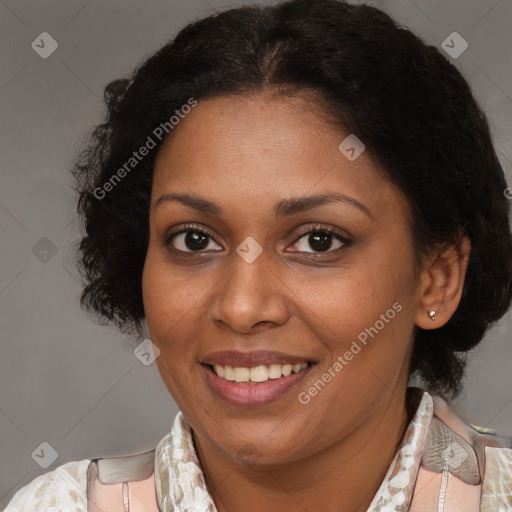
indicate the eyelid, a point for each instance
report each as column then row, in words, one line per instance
column 189, row 227
column 345, row 238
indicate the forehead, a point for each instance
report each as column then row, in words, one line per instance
column 264, row 147
column 263, row 123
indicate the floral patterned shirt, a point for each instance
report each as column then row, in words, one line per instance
column 180, row 484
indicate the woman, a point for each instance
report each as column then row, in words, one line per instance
column 303, row 207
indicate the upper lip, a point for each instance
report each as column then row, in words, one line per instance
column 235, row 358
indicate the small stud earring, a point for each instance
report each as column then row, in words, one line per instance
column 432, row 315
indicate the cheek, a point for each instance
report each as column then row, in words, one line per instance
column 342, row 304
column 175, row 307
column 166, row 309
column 364, row 314
column 166, row 297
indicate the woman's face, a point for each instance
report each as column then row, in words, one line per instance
column 241, row 273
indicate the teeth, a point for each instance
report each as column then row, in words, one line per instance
column 286, row 369
column 258, row 373
column 274, row 371
column 229, row 374
column 241, row 374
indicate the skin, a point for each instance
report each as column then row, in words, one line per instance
column 246, row 153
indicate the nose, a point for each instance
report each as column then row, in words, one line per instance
column 250, row 297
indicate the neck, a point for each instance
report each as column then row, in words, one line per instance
column 344, row 476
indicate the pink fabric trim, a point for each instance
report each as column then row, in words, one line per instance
column 460, row 497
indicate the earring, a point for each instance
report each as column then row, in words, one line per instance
column 432, row 315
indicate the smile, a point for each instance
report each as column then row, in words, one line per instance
column 255, row 386
column 257, row 374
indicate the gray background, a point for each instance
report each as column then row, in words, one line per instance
column 65, row 380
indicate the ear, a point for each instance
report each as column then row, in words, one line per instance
column 442, row 282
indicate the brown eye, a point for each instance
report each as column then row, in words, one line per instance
column 190, row 240
column 320, row 240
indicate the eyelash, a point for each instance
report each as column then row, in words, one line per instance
column 318, row 228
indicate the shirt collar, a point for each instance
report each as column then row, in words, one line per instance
column 396, row 490
column 180, row 484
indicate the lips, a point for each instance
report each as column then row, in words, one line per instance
column 251, row 379
column 235, row 358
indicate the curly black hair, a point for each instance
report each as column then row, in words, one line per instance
column 412, row 108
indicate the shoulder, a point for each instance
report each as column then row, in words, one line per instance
column 63, row 489
column 497, row 484
column 476, row 455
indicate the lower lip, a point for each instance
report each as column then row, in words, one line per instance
column 252, row 395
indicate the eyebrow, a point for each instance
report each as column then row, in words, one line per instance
column 283, row 208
